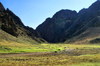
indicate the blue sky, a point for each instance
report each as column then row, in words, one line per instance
column 34, row 12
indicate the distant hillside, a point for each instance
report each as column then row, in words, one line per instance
column 10, row 24
column 70, row 26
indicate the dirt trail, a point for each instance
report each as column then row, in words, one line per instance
column 5, row 55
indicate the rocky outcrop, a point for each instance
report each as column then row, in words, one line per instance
column 7, row 24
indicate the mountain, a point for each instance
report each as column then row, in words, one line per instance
column 70, row 26
column 52, row 28
column 12, row 25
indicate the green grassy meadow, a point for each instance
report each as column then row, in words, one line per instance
column 80, row 55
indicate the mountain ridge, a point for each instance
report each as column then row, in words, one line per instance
column 13, row 25
column 72, row 25
column 65, row 25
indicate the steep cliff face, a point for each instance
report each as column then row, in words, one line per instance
column 13, row 25
column 67, row 24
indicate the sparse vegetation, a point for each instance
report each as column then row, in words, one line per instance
column 77, row 56
column 52, row 59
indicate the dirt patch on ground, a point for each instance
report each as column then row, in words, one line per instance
column 69, row 52
column 5, row 55
column 2, row 55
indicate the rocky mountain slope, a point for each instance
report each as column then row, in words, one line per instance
column 12, row 24
column 70, row 26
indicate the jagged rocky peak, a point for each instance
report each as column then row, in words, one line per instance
column 8, row 9
column 1, row 7
column 65, row 13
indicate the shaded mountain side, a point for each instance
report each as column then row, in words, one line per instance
column 68, row 24
column 7, row 23
column 52, row 28
column 4, row 36
column 90, row 18
column 12, row 24
column 85, row 37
